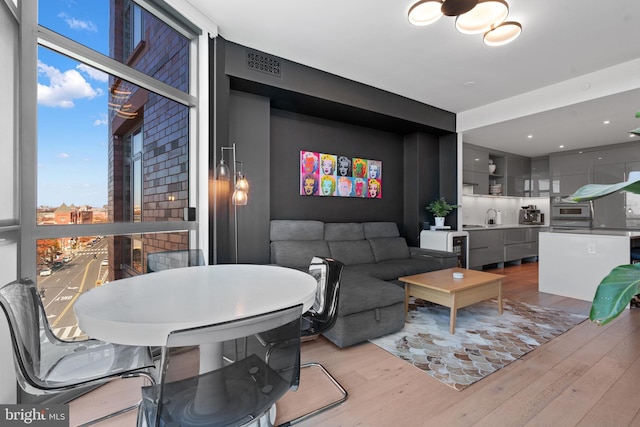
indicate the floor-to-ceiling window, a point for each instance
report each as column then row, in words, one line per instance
column 111, row 154
column 9, row 213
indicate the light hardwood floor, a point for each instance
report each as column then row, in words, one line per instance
column 588, row 376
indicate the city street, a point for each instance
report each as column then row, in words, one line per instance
column 60, row 290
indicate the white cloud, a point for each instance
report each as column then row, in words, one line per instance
column 64, row 155
column 93, row 73
column 76, row 24
column 102, row 121
column 64, row 87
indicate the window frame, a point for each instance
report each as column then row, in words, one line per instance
column 34, row 35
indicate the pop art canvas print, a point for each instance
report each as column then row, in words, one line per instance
column 336, row 175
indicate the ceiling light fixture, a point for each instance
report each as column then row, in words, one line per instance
column 472, row 17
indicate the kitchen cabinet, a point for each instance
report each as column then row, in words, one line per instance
column 475, row 168
column 520, row 243
column 540, row 183
column 500, row 245
column 609, row 212
column 518, row 176
column 486, row 246
column 512, row 172
column 570, row 172
column 475, row 159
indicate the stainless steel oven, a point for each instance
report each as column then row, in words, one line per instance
column 571, row 215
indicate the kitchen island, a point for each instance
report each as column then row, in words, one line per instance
column 572, row 263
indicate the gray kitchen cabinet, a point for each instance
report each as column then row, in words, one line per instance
column 540, row 183
column 520, row 243
column 486, row 246
column 632, row 201
column 475, row 159
column 617, row 155
column 570, row 172
column 475, row 168
column 570, row 164
column 609, row 212
column 563, row 185
column 518, row 176
column 497, row 246
column 479, row 180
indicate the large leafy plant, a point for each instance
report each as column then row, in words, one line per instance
column 617, row 289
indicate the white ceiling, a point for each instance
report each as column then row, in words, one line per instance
column 576, row 64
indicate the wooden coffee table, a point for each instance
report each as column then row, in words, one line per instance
column 442, row 288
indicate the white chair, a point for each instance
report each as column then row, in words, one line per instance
column 46, row 364
column 235, row 394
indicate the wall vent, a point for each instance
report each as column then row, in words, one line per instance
column 263, row 63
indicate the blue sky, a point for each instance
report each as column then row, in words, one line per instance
column 72, row 108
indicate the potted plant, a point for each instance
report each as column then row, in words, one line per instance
column 623, row 282
column 440, row 208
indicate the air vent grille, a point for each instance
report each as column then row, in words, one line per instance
column 263, row 63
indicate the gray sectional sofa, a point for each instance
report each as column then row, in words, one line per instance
column 371, row 298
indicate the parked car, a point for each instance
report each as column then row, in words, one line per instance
column 105, row 262
column 66, row 259
column 45, row 272
column 57, row 265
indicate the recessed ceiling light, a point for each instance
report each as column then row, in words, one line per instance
column 561, row 146
column 631, row 135
column 606, row 122
column 529, row 136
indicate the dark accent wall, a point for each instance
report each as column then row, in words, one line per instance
column 292, row 132
column 272, row 118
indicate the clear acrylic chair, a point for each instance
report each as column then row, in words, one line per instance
column 320, row 317
column 46, row 364
column 236, row 393
column 157, row 261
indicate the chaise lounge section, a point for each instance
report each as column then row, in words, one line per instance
column 371, row 298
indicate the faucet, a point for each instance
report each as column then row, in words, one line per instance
column 491, row 220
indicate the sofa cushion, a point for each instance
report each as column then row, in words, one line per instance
column 297, row 254
column 284, row 229
column 383, row 270
column 413, row 266
column 385, row 248
column 343, row 231
column 361, row 293
column 351, row 252
column 380, row 229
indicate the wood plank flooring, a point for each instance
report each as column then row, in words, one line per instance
column 586, row 377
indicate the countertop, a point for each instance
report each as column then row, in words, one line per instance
column 598, row 232
column 500, row 227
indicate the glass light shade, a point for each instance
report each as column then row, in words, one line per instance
column 242, row 184
column 480, row 19
column 239, row 198
column 425, row 12
column 222, row 171
column 503, row 34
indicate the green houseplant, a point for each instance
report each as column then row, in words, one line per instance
column 440, row 208
column 617, row 289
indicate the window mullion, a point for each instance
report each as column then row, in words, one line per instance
column 89, row 56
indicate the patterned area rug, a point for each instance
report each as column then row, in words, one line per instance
column 483, row 342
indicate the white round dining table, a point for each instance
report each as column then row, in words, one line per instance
column 143, row 310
